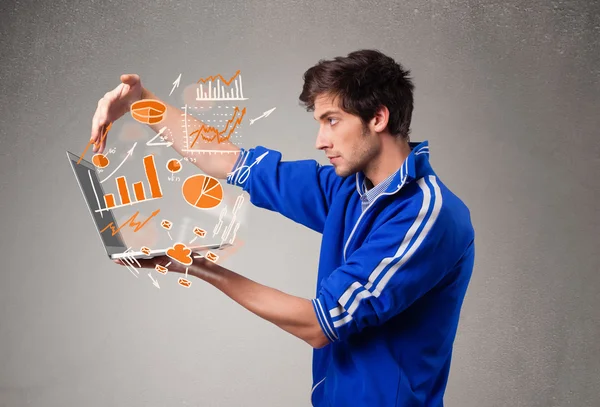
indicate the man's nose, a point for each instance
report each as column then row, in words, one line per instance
column 321, row 142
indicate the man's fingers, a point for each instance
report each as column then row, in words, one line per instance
column 151, row 263
column 144, row 263
column 95, row 129
column 99, row 120
column 101, row 124
column 130, row 79
column 103, row 142
column 116, row 93
column 161, row 260
column 110, row 107
column 97, row 141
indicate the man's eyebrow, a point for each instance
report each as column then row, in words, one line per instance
column 327, row 113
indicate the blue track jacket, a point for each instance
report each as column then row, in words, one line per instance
column 391, row 279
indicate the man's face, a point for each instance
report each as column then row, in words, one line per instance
column 349, row 144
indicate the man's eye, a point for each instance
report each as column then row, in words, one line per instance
column 332, row 121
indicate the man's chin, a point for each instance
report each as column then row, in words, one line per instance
column 343, row 172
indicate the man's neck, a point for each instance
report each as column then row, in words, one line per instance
column 393, row 153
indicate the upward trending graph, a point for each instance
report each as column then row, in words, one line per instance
column 138, row 188
column 210, row 133
column 216, row 87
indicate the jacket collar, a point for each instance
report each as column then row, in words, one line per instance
column 415, row 166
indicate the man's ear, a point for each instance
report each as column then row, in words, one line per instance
column 379, row 122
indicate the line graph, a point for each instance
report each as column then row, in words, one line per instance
column 137, row 225
column 216, row 87
column 210, row 133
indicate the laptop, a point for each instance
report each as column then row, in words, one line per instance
column 93, row 194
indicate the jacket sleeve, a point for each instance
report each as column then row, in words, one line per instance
column 300, row 190
column 398, row 263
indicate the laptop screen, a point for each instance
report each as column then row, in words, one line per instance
column 94, row 196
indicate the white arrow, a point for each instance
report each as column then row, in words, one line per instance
column 154, row 282
column 159, row 143
column 129, row 154
column 175, row 84
column 243, row 173
column 265, row 114
column 259, row 159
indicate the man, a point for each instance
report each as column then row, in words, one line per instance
column 398, row 246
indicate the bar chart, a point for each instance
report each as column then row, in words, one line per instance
column 139, row 193
column 215, row 88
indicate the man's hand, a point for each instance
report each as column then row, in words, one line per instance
column 118, row 101
column 199, row 268
column 160, row 260
column 112, row 106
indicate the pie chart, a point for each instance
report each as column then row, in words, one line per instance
column 202, row 191
column 100, row 160
column 148, row 111
column 173, row 165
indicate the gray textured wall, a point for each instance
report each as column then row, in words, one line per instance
column 507, row 95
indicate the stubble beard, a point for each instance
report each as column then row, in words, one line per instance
column 361, row 159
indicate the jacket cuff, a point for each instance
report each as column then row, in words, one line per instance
column 234, row 175
column 324, row 321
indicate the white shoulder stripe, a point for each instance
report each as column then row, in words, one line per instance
column 410, row 234
column 407, row 239
column 437, row 205
column 402, row 252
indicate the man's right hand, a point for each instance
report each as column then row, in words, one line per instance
column 113, row 105
column 118, row 101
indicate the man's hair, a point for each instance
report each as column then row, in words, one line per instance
column 363, row 81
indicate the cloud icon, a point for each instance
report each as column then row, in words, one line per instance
column 180, row 253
